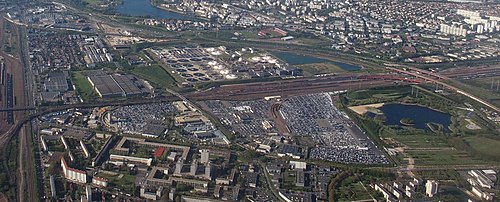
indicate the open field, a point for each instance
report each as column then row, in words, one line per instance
column 380, row 93
column 83, row 87
column 352, row 191
column 124, row 182
column 484, row 145
column 419, row 140
column 444, row 157
column 155, row 74
column 320, row 68
column 486, row 87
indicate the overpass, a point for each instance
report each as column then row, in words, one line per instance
column 18, row 109
column 427, row 77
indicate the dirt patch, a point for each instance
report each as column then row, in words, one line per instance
column 362, row 109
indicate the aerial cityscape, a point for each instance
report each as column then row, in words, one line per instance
column 249, row 100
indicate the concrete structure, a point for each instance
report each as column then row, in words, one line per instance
column 72, row 174
column 431, row 188
column 85, row 150
column 481, row 194
column 63, row 140
column 121, row 158
column 183, row 149
column 52, row 187
column 298, row 165
column 147, row 194
column 387, row 195
column 101, row 182
column 44, row 144
column 199, row 185
column 480, row 179
column 205, row 154
column 453, row 30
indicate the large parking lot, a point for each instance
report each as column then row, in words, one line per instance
column 248, row 118
column 135, row 118
column 338, row 138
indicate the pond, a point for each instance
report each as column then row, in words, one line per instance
column 418, row 114
column 143, row 8
column 295, row 59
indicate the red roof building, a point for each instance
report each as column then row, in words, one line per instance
column 159, row 152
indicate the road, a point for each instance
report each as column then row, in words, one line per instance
column 434, row 78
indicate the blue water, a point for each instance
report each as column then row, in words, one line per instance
column 421, row 115
column 347, row 67
column 143, row 8
column 295, row 59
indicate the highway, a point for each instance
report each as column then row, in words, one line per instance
column 435, row 78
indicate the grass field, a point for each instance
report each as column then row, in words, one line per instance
column 436, row 150
column 351, row 191
column 320, row 68
column 484, row 145
column 83, row 87
column 419, row 141
column 155, row 74
column 383, row 93
column 444, row 157
column 125, row 182
column 482, row 87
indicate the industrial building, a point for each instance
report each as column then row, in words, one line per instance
column 116, row 85
column 57, row 81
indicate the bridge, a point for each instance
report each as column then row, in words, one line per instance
column 18, row 109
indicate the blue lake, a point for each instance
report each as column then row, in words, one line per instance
column 295, row 59
column 421, row 115
column 142, row 8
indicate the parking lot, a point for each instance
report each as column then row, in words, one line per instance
column 338, row 138
column 135, row 118
column 248, row 118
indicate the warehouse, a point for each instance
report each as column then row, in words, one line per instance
column 109, row 86
column 57, row 81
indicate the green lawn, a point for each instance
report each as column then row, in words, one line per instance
column 419, row 140
column 484, row 145
column 320, row 68
column 125, row 183
column 444, row 157
column 155, row 74
column 351, row 191
column 83, row 87
column 380, row 93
